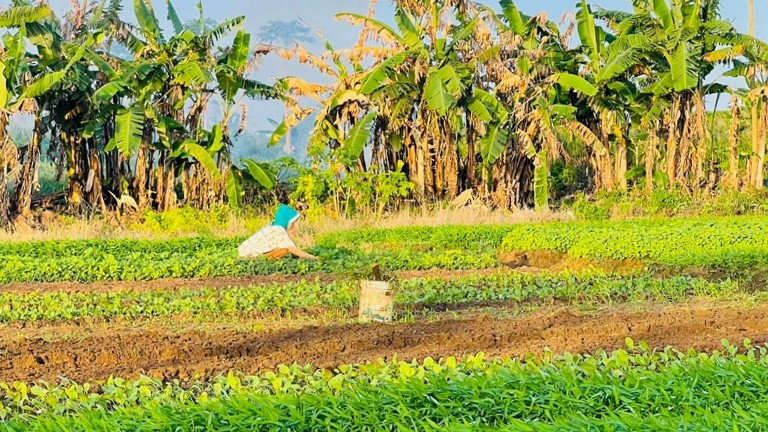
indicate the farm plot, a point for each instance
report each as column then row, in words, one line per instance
column 112, row 315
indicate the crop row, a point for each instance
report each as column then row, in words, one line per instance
column 440, row 238
column 219, row 258
column 437, row 237
column 731, row 243
column 660, row 390
column 619, row 239
column 518, row 287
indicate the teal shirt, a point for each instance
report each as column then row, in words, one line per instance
column 284, row 216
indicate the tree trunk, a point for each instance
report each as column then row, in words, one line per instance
column 651, row 151
column 5, row 208
column 140, row 181
column 94, row 188
column 429, row 164
column 621, row 160
column 760, row 147
column 22, row 199
column 702, row 140
column 421, row 166
column 452, row 171
column 673, row 116
column 440, row 159
column 160, row 183
column 170, row 189
column 605, row 167
column 5, row 199
column 733, row 147
column 143, row 173
column 682, row 175
column 412, row 163
column 75, row 182
column 749, row 180
column 471, row 161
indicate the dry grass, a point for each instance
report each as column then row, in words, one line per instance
column 233, row 225
column 61, row 228
column 471, row 215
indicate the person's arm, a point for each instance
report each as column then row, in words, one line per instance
column 301, row 254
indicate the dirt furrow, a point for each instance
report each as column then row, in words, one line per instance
column 199, row 354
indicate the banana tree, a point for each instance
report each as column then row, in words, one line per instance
column 747, row 58
column 12, row 69
column 421, row 91
column 344, row 119
column 166, row 90
column 533, row 77
column 42, row 83
column 231, row 73
column 670, row 48
column 612, row 63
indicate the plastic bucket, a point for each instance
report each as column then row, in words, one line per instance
column 376, row 301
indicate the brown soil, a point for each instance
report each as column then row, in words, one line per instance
column 224, row 282
column 557, row 261
column 199, row 354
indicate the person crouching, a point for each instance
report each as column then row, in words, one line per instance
column 275, row 241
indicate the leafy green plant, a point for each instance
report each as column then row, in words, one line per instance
column 665, row 389
column 102, row 260
column 342, row 296
column 732, row 243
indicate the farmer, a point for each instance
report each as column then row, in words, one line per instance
column 274, row 241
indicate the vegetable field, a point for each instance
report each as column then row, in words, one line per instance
column 658, row 323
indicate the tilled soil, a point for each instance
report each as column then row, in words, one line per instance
column 198, row 354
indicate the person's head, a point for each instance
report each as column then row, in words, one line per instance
column 288, row 218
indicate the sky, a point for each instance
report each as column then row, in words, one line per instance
column 320, row 15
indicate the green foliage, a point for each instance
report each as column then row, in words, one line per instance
column 173, row 17
column 152, row 99
column 493, row 144
column 668, row 203
column 442, row 237
column 356, row 192
column 731, row 243
column 663, row 390
column 103, row 260
column 575, row 82
column 188, row 221
column 129, row 130
column 235, row 191
column 358, row 136
column 25, row 14
column 201, row 155
column 371, row 190
column 261, row 173
column 587, row 209
column 341, row 296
